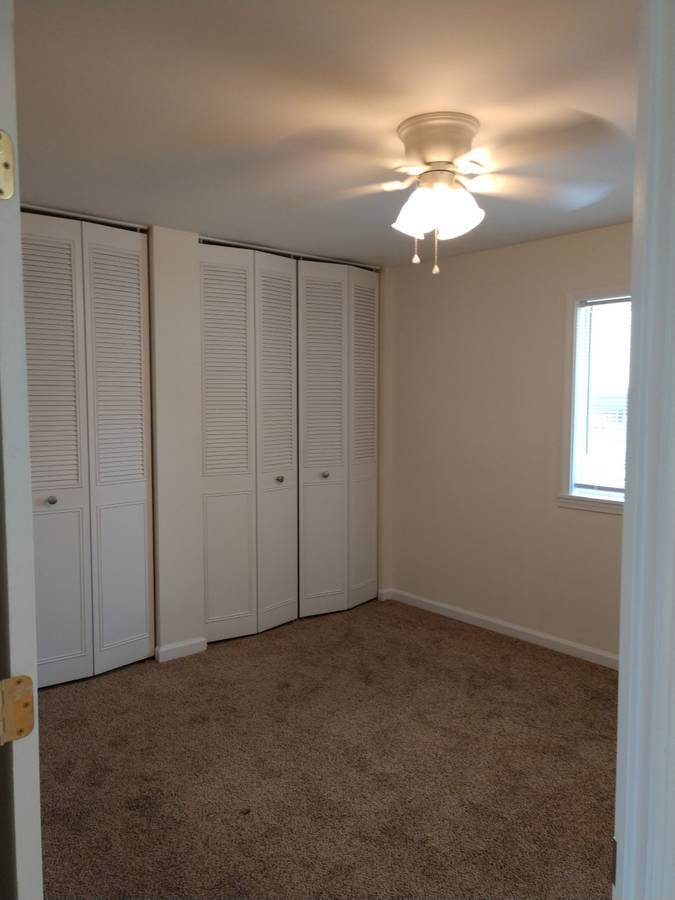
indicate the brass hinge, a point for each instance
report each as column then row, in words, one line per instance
column 16, row 708
column 6, row 166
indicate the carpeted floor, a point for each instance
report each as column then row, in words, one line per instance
column 382, row 752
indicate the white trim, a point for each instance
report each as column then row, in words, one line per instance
column 605, row 290
column 645, row 792
column 591, row 504
column 561, row 645
column 35, row 209
column 180, row 648
column 385, row 594
column 20, row 856
column 292, row 254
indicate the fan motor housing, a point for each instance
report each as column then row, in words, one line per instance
column 437, row 136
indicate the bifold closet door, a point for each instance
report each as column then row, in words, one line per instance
column 276, row 413
column 228, row 441
column 116, row 308
column 363, row 343
column 323, row 408
column 55, row 336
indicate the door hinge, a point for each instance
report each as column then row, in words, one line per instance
column 17, row 715
column 614, row 861
column 6, row 166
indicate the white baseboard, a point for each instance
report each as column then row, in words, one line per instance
column 180, row 648
column 582, row 651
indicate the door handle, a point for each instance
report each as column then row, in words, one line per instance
column 52, row 500
column 325, row 474
column 280, row 479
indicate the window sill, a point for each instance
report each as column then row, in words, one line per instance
column 591, row 504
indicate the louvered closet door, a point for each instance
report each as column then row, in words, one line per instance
column 363, row 331
column 116, row 307
column 323, row 407
column 276, row 404
column 228, row 442
column 52, row 272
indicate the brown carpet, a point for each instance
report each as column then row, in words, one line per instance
column 382, row 752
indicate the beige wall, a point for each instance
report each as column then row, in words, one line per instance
column 472, row 381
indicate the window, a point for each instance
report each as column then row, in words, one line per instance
column 599, row 398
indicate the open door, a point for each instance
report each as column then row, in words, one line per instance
column 20, row 850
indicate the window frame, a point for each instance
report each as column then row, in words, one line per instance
column 566, row 499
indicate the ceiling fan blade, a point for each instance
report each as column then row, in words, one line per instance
column 475, row 162
column 562, row 193
column 575, row 133
column 398, row 185
column 341, row 146
column 364, row 190
column 580, row 194
column 323, row 196
column 411, row 171
column 359, row 190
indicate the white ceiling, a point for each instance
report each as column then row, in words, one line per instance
column 253, row 120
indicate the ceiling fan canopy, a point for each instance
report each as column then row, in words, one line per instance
column 437, row 137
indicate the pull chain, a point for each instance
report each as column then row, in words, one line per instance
column 435, row 269
column 416, row 256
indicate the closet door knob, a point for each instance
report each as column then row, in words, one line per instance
column 280, row 479
column 325, row 474
column 51, row 500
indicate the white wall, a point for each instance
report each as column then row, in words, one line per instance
column 176, row 381
column 472, row 375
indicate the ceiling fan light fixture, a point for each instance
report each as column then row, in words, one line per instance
column 438, row 151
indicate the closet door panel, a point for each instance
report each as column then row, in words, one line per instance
column 363, row 540
column 116, row 305
column 278, row 557
column 228, row 442
column 62, row 584
column 363, row 342
column 324, row 507
column 122, row 576
column 52, row 263
column 323, row 444
column 276, row 413
column 229, row 528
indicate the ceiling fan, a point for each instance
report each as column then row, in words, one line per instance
column 447, row 172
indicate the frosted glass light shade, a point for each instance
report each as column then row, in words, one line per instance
column 449, row 208
column 458, row 213
column 418, row 213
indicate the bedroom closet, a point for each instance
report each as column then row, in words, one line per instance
column 249, row 440
column 266, row 531
column 264, row 441
column 86, row 309
column 338, row 452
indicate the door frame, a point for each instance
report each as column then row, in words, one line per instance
column 645, row 795
column 20, row 843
